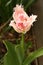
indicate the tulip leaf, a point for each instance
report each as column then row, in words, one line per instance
column 33, row 56
column 10, row 57
column 20, row 53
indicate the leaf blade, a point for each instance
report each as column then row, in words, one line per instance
column 33, row 56
column 10, row 57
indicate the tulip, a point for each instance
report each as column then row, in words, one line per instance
column 21, row 21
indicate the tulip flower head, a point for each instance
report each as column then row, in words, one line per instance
column 21, row 21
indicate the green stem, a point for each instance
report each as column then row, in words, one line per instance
column 22, row 42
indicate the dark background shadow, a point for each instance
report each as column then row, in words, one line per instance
column 38, row 26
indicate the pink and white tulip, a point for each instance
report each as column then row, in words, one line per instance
column 21, row 21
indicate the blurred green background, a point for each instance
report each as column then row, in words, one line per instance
column 6, row 7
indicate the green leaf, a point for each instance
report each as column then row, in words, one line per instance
column 29, row 3
column 20, row 53
column 9, row 2
column 33, row 56
column 10, row 57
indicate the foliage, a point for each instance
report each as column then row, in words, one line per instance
column 16, row 56
column 6, row 7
